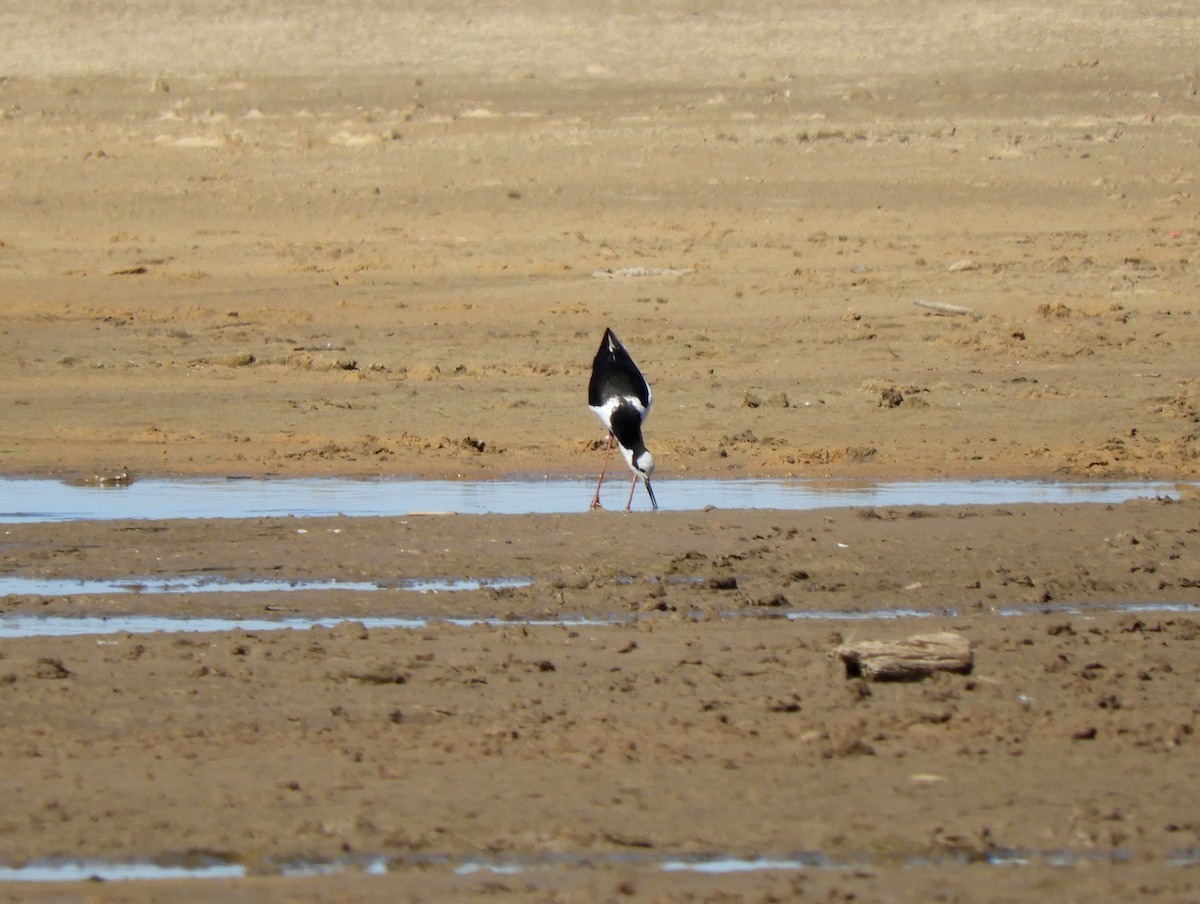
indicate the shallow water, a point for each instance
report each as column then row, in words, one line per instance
column 13, row 626
column 13, row 585
column 71, row 625
column 49, row 500
column 62, row 870
column 109, row 871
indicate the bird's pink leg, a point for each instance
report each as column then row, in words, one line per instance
column 607, row 452
column 632, row 487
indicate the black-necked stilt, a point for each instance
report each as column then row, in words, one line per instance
column 620, row 396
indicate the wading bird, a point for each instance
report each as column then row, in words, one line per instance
column 620, row 397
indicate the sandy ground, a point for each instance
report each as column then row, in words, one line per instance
column 305, row 239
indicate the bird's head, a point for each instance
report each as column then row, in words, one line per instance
column 641, row 464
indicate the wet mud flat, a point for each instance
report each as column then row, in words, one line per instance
column 296, row 573
column 603, row 565
column 700, row 723
column 655, row 742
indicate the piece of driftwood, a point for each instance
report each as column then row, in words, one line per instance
column 908, row 659
column 943, row 308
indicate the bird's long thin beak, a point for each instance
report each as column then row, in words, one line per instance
column 650, row 490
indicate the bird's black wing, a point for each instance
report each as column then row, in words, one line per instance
column 615, row 374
